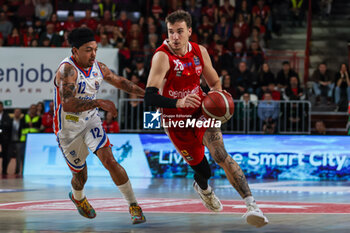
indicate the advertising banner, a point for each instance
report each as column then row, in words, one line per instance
column 260, row 156
column 27, row 74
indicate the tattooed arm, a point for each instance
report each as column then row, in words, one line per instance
column 120, row 82
column 66, row 78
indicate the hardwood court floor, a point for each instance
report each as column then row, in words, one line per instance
column 41, row 204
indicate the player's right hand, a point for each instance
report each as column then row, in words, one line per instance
column 189, row 101
column 108, row 106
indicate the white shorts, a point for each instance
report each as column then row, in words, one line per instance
column 75, row 146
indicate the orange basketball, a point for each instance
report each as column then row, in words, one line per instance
column 218, row 105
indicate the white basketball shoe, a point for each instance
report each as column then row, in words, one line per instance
column 210, row 200
column 254, row 216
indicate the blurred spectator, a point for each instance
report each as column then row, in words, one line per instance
column 104, row 42
column 323, row 82
column 297, row 12
column 123, row 56
column 26, row 12
column 325, row 7
column 223, row 29
column 54, row 38
column 150, row 47
column 47, row 120
column 16, row 148
column 107, row 21
column 135, row 33
column 157, row 8
column 320, row 128
column 116, row 34
column 124, row 23
column 234, row 38
column 5, row 25
column 34, row 43
column 5, row 132
column 264, row 77
column 243, row 79
column 239, row 55
column 88, row 20
column 140, row 70
column 211, row 10
column 255, row 36
column 195, row 12
column 258, row 24
column 246, row 113
column 244, row 10
column 43, row 10
column 284, row 75
column 268, row 112
column 38, row 27
column 293, row 90
column 29, row 36
column 107, row 5
column 342, row 87
column 227, row 10
column 227, row 85
column 273, row 90
column 110, row 125
column 256, row 55
column 54, row 20
column 14, row 39
column 40, row 108
column 70, row 23
column 31, row 123
column 205, row 27
column 242, row 25
column 263, row 11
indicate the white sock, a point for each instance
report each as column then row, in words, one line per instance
column 250, row 201
column 78, row 194
column 127, row 192
column 207, row 191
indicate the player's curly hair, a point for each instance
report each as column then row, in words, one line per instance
column 179, row 16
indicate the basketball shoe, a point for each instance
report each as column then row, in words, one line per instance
column 210, row 200
column 83, row 206
column 136, row 214
column 254, row 216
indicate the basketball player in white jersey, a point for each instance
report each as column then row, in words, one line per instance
column 77, row 124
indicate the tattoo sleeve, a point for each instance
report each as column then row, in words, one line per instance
column 121, row 82
column 67, row 89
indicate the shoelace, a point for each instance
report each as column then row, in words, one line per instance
column 135, row 210
column 85, row 205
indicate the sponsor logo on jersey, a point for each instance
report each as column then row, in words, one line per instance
column 196, row 60
column 73, row 153
column 72, row 118
column 76, row 161
column 179, row 73
column 94, row 74
column 199, row 70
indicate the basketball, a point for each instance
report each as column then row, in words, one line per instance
column 218, row 105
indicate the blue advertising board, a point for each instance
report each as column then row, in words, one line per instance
column 260, row 156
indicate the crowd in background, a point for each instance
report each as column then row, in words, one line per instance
column 235, row 33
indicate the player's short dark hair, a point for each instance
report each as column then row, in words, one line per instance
column 80, row 36
column 179, row 16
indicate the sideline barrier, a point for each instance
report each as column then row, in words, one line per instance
column 292, row 157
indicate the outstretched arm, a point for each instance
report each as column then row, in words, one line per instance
column 66, row 78
column 120, row 82
column 210, row 75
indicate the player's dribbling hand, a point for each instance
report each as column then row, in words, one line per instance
column 189, row 101
column 108, row 106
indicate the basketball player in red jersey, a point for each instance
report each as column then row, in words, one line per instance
column 175, row 73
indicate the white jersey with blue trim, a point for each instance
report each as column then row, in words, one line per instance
column 87, row 85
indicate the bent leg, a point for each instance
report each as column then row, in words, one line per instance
column 214, row 142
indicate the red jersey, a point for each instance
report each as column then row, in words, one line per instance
column 183, row 78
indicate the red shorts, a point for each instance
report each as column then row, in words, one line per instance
column 188, row 142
